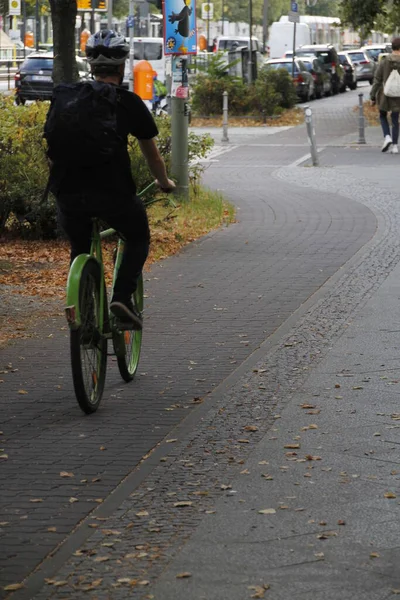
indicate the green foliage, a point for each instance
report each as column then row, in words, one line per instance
column 24, row 170
column 362, row 14
column 272, row 91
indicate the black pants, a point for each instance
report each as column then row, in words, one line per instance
column 126, row 215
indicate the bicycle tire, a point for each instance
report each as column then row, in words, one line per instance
column 129, row 362
column 88, row 347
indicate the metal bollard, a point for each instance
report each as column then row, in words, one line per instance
column 311, row 135
column 225, row 137
column 361, row 120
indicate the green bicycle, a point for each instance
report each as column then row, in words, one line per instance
column 92, row 325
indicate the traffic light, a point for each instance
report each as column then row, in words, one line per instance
column 158, row 3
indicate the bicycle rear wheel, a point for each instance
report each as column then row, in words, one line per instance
column 88, row 345
column 132, row 341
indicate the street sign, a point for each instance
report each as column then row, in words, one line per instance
column 97, row 5
column 207, row 11
column 14, row 7
column 294, row 7
column 293, row 17
column 130, row 21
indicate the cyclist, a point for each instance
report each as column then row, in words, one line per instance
column 108, row 191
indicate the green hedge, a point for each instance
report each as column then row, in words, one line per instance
column 272, row 92
column 24, row 170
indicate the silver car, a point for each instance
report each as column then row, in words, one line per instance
column 365, row 68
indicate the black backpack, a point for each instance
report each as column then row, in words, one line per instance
column 81, row 126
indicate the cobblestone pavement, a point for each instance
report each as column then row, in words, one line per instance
column 209, row 309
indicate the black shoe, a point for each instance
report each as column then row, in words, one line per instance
column 127, row 314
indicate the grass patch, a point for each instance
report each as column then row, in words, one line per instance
column 290, row 117
column 172, row 228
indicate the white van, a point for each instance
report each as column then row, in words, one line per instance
column 227, row 43
column 281, row 37
column 152, row 50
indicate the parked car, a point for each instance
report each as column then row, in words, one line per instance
column 327, row 53
column 33, row 80
column 303, row 80
column 365, row 68
column 349, row 70
column 322, row 80
column 374, row 50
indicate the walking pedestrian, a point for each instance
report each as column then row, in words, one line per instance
column 388, row 103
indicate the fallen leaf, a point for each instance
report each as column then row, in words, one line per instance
column 374, row 555
column 4, row 456
column 267, row 476
column 22, row 392
column 13, row 586
column 307, row 406
column 259, row 590
column 100, row 559
column 110, row 532
column 263, row 462
column 395, row 591
column 102, row 448
column 142, row 513
column 390, row 495
column 36, row 500
column 72, row 500
column 319, row 555
column 267, row 511
column 52, row 529
column 184, row 575
column 125, row 580
column 243, row 441
column 183, row 504
column 144, row 582
column 292, row 446
column 358, row 387
column 60, row 583
column 340, row 522
column 171, row 441
column 250, row 428
column 311, row 457
column 66, row 474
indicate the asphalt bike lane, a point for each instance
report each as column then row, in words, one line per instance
column 208, row 310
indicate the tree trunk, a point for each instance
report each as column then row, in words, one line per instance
column 63, row 15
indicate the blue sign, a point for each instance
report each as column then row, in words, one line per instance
column 130, row 21
column 180, row 35
column 295, row 7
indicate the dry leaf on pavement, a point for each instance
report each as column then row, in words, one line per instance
column 13, row 587
column 267, row 511
column 184, row 575
column 66, row 474
column 259, row 590
column 390, row 495
column 182, row 504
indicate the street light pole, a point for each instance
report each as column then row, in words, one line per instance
column 223, row 17
column 37, row 24
column 265, row 25
column 109, row 14
column 250, row 63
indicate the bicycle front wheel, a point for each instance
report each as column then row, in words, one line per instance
column 88, row 345
column 132, row 343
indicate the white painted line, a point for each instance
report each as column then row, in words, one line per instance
column 302, row 159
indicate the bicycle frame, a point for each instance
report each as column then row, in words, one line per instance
column 72, row 310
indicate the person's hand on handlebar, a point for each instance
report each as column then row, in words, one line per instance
column 166, row 186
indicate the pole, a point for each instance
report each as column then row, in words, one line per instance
column 250, row 63
column 180, row 130
column 294, row 47
column 208, row 32
column 37, row 25
column 223, row 17
column 92, row 21
column 361, row 120
column 311, row 135
column 225, row 137
column 265, row 26
column 131, row 42
column 109, row 14
column 24, row 24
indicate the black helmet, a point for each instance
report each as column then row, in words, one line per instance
column 107, row 48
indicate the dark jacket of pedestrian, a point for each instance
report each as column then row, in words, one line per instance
column 383, row 71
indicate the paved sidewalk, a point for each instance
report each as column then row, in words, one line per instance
column 241, row 327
